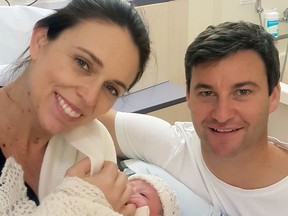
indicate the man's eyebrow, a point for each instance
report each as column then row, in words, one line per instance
column 95, row 58
column 237, row 85
column 202, row 86
column 247, row 83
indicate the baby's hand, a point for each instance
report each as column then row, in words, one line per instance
column 110, row 181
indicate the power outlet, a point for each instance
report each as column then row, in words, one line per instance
column 247, row 1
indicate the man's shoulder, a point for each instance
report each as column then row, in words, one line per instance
column 187, row 130
column 278, row 142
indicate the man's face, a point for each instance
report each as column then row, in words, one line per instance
column 230, row 105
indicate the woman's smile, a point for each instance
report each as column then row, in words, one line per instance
column 67, row 109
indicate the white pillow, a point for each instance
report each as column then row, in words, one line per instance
column 16, row 24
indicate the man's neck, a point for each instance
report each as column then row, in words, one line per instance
column 250, row 170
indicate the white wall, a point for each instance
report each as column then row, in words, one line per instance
column 278, row 124
column 206, row 12
column 168, row 29
column 169, row 34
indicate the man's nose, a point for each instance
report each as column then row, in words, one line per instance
column 223, row 110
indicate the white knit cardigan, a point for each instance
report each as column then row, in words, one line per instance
column 58, row 195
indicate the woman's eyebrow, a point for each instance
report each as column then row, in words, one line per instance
column 121, row 84
column 95, row 58
column 100, row 63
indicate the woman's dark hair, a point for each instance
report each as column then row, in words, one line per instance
column 217, row 42
column 119, row 12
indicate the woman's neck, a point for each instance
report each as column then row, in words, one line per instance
column 19, row 128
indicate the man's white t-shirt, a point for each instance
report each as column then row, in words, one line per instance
column 176, row 148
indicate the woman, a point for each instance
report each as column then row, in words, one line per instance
column 81, row 59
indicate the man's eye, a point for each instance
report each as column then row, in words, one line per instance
column 243, row 92
column 82, row 64
column 207, row 93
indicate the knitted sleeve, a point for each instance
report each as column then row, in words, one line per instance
column 73, row 197
column 13, row 198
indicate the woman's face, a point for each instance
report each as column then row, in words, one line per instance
column 78, row 76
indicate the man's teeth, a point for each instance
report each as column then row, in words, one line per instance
column 223, row 130
column 67, row 109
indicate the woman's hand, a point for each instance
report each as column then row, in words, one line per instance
column 110, row 181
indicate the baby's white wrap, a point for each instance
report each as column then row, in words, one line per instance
column 92, row 140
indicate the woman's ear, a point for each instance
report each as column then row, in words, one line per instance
column 38, row 41
column 275, row 98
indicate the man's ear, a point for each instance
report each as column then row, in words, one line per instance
column 187, row 97
column 38, row 41
column 275, row 98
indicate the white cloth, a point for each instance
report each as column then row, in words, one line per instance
column 64, row 150
column 142, row 211
column 181, row 156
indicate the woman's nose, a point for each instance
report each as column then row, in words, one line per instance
column 90, row 94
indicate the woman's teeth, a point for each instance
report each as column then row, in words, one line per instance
column 67, row 109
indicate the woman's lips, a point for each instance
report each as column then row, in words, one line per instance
column 66, row 108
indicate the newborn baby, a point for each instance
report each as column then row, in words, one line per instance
column 152, row 196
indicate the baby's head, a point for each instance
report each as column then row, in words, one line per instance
column 153, row 192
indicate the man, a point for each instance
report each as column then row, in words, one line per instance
column 232, row 79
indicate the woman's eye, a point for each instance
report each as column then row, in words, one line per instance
column 112, row 90
column 82, row 64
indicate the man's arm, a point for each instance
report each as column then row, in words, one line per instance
column 142, row 136
column 108, row 119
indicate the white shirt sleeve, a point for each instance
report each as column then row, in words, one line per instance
column 146, row 137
